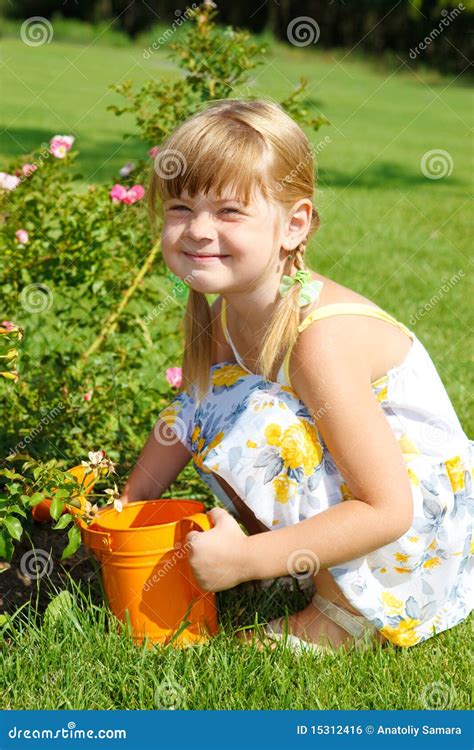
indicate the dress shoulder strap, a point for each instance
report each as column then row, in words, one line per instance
column 227, row 336
column 224, row 319
column 351, row 308
column 342, row 308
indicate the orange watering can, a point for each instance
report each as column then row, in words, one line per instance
column 145, row 569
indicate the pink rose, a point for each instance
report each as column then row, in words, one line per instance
column 153, row 151
column 87, row 396
column 22, row 236
column 120, row 194
column 59, row 145
column 134, row 194
column 8, row 325
column 8, row 181
column 117, row 193
column 28, row 169
column 174, row 376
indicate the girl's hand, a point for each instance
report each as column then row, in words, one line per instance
column 217, row 557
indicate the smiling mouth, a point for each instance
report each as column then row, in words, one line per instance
column 195, row 255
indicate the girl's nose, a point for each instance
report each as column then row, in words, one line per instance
column 200, row 226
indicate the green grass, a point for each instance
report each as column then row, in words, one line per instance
column 389, row 233
column 86, row 659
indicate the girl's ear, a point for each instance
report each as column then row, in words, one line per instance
column 297, row 225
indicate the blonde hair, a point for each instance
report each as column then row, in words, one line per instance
column 241, row 145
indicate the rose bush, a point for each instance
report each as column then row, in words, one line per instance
column 82, row 274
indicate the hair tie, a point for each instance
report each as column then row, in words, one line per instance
column 309, row 291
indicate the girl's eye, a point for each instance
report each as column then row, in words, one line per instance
column 179, row 207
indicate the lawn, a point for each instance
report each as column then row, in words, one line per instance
column 388, row 232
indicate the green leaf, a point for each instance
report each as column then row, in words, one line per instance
column 63, row 521
column 11, row 474
column 6, row 546
column 38, row 497
column 61, row 493
column 57, row 507
column 19, row 457
column 13, row 527
column 17, row 509
column 58, row 607
column 74, row 537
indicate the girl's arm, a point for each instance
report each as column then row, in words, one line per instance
column 157, row 466
column 333, row 380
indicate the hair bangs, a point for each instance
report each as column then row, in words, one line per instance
column 224, row 156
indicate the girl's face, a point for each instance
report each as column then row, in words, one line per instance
column 221, row 245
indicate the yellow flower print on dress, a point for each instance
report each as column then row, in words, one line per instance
column 393, row 606
column 408, row 447
column 284, row 488
column 404, row 634
column 380, row 388
column 227, row 375
column 300, row 447
column 345, row 492
column 170, row 413
column 413, row 477
column 273, row 434
column 401, row 557
column 200, row 454
column 455, row 469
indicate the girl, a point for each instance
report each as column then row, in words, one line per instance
column 311, row 412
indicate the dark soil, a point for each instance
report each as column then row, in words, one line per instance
column 36, row 574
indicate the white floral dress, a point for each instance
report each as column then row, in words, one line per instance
column 260, row 438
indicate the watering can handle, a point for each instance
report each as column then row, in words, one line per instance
column 196, row 522
column 96, row 540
